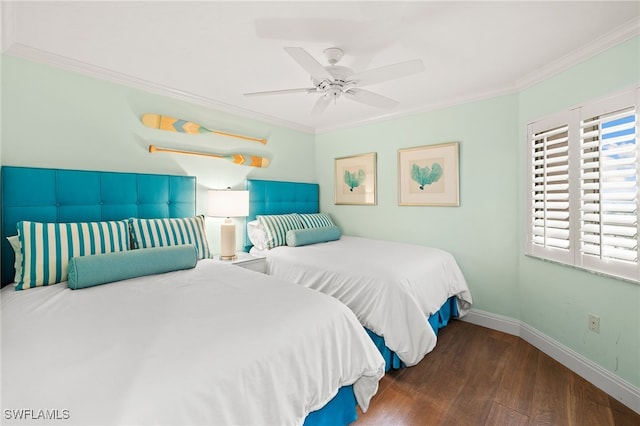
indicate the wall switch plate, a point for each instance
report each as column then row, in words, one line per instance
column 594, row 323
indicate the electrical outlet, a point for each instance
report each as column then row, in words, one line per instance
column 594, row 323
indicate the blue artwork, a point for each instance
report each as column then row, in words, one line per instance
column 355, row 179
column 425, row 175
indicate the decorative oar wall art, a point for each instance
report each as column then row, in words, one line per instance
column 241, row 159
column 170, row 124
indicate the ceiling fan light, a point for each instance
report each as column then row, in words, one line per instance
column 333, row 54
column 334, row 92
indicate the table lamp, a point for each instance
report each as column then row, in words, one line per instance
column 228, row 203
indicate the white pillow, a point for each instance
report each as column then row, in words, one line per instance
column 14, row 241
column 257, row 235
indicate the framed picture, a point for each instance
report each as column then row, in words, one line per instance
column 355, row 179
column 428, row 175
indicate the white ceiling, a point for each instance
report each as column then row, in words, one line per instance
column 213, row 52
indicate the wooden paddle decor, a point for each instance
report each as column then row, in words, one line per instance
column 170, row 124
column 241, row 159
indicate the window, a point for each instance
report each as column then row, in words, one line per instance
column 583, row 198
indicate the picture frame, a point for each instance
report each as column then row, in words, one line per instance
column 355, row 179
column 429, row 175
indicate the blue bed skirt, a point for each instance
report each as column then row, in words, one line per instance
column 438, row 320
column 341, row 410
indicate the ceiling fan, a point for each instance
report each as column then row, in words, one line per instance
column 333, row 81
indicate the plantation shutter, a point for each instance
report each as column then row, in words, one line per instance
column 549, row 186
column 609, row 189
column 583, row 196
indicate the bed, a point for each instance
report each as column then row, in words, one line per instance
column 210, row 343
column 401, row 293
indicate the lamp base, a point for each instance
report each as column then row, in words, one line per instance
column 228, row 240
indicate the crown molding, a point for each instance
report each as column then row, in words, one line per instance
column 607, row 41
column 47, row 58
column 12, row 47
column 7, row 25
column 474, row 97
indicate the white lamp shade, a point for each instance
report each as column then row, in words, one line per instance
column 228, row 203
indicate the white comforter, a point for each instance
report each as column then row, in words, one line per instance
column 213, row 345
column 390, row 286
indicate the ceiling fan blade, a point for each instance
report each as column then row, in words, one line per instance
column 370, row 98
column 308, row 62
column 282, row 92
column 389, row 72
column 321, row 105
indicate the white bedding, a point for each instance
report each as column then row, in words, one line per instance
column 217, row 344
column 390, row 286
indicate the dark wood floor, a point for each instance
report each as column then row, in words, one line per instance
column 477, row 376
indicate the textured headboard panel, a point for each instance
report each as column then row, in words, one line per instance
column 56, row 195
column 276, row 197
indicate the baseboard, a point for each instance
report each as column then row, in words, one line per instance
column 615, row 386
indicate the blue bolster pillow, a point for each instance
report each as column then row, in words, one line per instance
column 87, row 271
column 302, row 237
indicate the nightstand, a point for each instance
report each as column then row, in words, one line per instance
column 248, row 261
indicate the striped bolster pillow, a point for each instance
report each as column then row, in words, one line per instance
column 276, row 227
column 147, row 233
column 48, row 247
column 316, row 220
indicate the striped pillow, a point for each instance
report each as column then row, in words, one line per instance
column 48, row 247
column 316, row 220
column 276, row 227
column 147, row 233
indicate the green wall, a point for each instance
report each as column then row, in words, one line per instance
column 482, row 232
column 556, row 299
column 56, row 118
column 486, row 233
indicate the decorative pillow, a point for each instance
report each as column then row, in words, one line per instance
column 148, row 233
column 88, row 271
column 303, row 237
column 14, row 241
column 316, row 220
column 276, row 227
column 48, row 247
column 257, row 235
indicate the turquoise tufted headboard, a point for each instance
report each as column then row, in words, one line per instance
column 57, row 195
column 279, row 197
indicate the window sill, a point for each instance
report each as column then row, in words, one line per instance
column 579, row 268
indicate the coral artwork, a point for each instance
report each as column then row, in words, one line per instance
column 425, row 175
column 428, row 175
column 355, row 179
